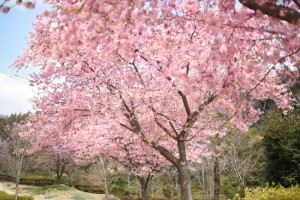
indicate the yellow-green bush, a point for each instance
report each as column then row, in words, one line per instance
column 5, row 196
column 273, row 193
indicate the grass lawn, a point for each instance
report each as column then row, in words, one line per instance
column 54, row 192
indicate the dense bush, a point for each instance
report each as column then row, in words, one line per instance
column 90, row 188
column 230, row 187
column 6, row 178
column 36, row 180
column 282, row 145
column 5, row 196
column 273, row 192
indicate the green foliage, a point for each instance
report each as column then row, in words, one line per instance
column 6, row 123
column 121, row 185
column 65, row 180
column 90, row 188
column 282, row 147
column 273, row 193
column 5, row 196
column 130, row 192
column 230, row 187
column 36, row 177
column 37, row 180
column 168, row 191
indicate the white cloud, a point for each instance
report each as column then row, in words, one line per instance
column 15, row 95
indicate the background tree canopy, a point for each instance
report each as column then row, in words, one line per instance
column 282, row 147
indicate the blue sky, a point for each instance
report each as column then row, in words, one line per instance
column 14, row 36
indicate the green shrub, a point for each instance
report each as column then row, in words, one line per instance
column 230, row 187
column 5, row 196
column 29, row 179
column 90, row 189
column 130, row 192
column 273, row 193
column 35, row 177
column 37, row 180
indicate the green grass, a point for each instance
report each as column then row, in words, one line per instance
column 50, row 196
column 50, row 189
column 78, row 196
column 5, row 196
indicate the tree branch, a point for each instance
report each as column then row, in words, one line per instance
column 185, row 103
column 128, row 128
column 272, row 9
column 163, row 151
column 273, row 67
column 297, row 2
column 164, row 129
column 173, row 128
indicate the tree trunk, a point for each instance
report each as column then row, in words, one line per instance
column 59, row 174
column 204, row 183
column 217, row 178
column 176, row 181
column 19, row 169
column 181, row 165
column 102, row 169
column 128, row 180
column 183, row 171
column 59, row 170
column 17, row 188
column 185, row 185
column 58, row 177
column 144, row 187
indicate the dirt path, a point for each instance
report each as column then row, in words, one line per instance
column 61, row 193
column 5, row 189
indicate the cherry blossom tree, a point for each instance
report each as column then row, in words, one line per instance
column 6, row 5
column 128, row 149
column 168, row 72
column 13, row 152
column 86, row 144
column 48, row 138
column 140, row 159
column 55, row 160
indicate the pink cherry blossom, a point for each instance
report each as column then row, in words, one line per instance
column 5, row 9
column 159, row 78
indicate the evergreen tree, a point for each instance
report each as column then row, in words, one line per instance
column 282, row 147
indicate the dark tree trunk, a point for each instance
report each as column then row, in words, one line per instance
column 144, row 186
column 183, row 171
column 59, row 172
column 217, row 178
column 58, row 177
column 181, row 166
column 185, row 185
